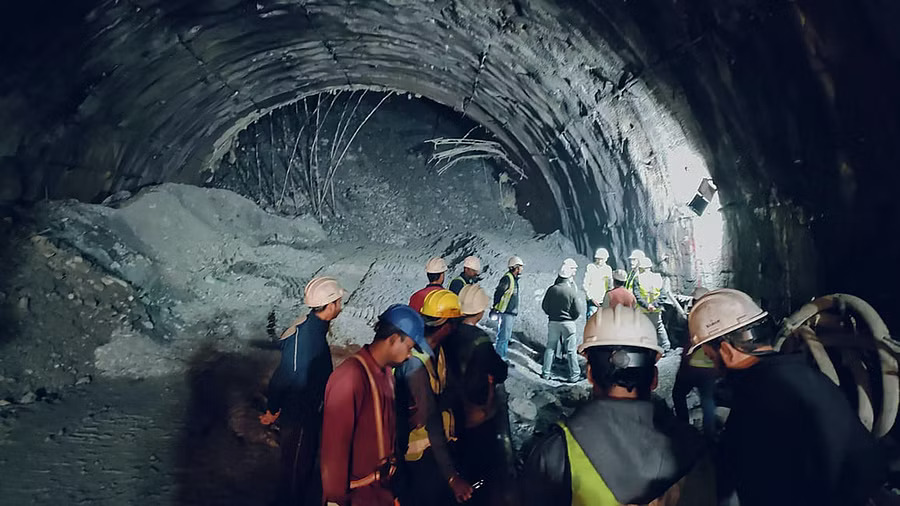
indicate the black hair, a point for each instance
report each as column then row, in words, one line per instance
column 384, row 330
column 607, row 375
column 434, row 276
column 319, row 309
column 618, row 283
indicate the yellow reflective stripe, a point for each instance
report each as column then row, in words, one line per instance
column 588, row 487
column 507, row 295
column 418, row 437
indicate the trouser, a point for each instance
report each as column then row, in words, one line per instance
column 504, row 333
column 421, row 483
column 704, row 380
column 481, row 458
column 301, row 482
column 591, row 308
column 565, row 332
column 662, row 336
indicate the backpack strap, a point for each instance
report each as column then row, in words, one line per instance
column 376, row 401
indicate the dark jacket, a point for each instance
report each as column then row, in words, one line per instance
column 299, row 381
column 513, row 306
column 457, row 284
column 638, row 447
column 792, row 438
column 471, row 358
column 561, row 301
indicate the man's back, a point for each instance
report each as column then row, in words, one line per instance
column 560, row 301
column 792, row 438
column 619, row 296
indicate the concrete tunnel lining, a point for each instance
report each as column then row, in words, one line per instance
column 590, row 96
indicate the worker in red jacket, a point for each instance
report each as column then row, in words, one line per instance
column 436, row 270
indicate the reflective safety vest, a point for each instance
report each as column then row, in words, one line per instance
column 699, row 359
column 650, row 286
column 588, row 487
column 418, row 437
column 629, row 281
column 507, row 295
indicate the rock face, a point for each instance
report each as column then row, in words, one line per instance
column 601, row 103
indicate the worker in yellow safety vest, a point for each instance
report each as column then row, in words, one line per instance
column 634, row 261
column 428, row 474
column 647, row 290
column 621, row 448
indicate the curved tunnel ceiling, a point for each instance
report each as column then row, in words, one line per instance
column 590, row 95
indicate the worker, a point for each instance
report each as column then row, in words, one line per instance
column 634, row 260
column 696, row 371
column 619, row 295
column 469, row 275
column 359, row 425
column 597, row 280
column 297, row 390
column 647, row 289
column 621, row 447
column 506, row 304
column 435, row 269
column 560, row 304
column 481, row 373
column 429, row 474
column 791, row 436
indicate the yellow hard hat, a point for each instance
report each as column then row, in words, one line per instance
column 619, row 326
column 473, row 300
column 721, row 312
column 441, row 304
column 322, row 291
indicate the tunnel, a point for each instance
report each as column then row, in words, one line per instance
column 195, row 162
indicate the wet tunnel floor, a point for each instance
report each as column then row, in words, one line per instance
column 130, row 442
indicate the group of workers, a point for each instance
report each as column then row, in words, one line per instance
column 418, row 416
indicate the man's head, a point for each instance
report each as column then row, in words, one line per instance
column 620, row 345
column 516, row 265
column 471, row 267
column 601, row 256
column 324, row 296
column 435, row 269
column 731, row 328
column 619, row 277
column 568, row 269
column 440, row 311
column 473, row 302
column 635, row 258
column 398, row 330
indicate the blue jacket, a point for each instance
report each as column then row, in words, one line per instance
column 299, row 381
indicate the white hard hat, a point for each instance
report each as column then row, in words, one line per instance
column 601, row 253
column 620, row 275
column 435, row 265
column 322, row 291
column 636, row 254
column 568, row 269
column 514, row 261
column 720, row 312
column 619, row 326
column 472, row 263
column 473, row 299
column 645, row 263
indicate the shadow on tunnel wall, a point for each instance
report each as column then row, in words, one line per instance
column 226, row 457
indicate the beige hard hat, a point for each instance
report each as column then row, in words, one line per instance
column 322, row 291
column 720, row 312
column 636, row 254
column 473, row 299
column 568, row 268
column 435, row 265
column 620, row 275
column 601, row 253
column 472, row 263
column 619, row 326
column 645, row 263
column 515, row 261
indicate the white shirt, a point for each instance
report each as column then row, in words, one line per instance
column 597, row 281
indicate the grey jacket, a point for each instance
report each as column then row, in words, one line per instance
column 561, row 301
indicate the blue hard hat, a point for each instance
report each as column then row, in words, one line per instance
column 408, row 321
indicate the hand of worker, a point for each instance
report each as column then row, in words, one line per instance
column 268, row 418
column 462, row 490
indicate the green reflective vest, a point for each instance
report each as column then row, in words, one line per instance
column 418, row 436
column 507, row 295
column 588, row 487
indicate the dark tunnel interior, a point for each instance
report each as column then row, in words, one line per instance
column 179, row 169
